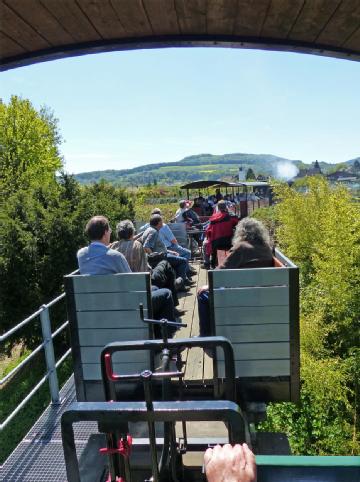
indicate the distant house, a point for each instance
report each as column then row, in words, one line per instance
column 335, row 176
column 315, row 170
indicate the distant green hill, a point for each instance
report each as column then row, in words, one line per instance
column 192, row 168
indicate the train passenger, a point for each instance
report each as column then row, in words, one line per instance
column 162, row 275
column 171, row 242
column 99, row 259
column 179, row 213
column 230, row 464
column 187, row 215
column 152, row 242
column 219, row 233
column 250, row 249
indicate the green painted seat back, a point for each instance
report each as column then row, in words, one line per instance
column 105, row 309
column 257, row 310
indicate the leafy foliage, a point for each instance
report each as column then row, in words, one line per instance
column 43, row 216
column 319, row 229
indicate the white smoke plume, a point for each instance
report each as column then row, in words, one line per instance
column 286, row 170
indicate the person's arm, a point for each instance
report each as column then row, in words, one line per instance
column 230, row 464
column 149, row 242
column 141, row 259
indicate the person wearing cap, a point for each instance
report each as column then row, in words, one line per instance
column 183, row 206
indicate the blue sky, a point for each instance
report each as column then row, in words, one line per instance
column 125, row 109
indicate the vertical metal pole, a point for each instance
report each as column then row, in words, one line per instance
column 49, row 355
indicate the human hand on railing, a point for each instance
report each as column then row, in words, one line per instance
column 230, row 464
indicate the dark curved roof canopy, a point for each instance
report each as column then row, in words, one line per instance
column 204, row 184
column 37, row 30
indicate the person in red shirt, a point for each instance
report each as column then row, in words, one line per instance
column 219, row 233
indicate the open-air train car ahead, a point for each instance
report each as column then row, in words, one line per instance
column 151, row 399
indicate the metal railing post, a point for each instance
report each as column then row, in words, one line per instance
column 49, row 355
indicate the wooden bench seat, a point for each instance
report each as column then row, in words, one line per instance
column 101, row 310
column 257, row 309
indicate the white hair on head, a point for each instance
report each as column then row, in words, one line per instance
column 252, row 231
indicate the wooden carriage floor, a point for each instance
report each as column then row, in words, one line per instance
column 198, row 365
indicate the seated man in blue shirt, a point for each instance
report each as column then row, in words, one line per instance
column 152, row 242
column 99, row 259
column 170, row 240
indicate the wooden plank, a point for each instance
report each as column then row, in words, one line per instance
column 9, row 47
column 110, row 319
column 194, row 357
column 192, row 16
column 259, row 368
column 16, row 28
column 91, row 354
column 132, row 17
column 113, row 283
column 110, row 301
column 208, row 367
column 162, row 16
column 252, row 314
column 43, row 22
column 312, row 19
column 353, row 42
column 221, row 15
column 233, row 278
column 103, row 17
column 342, row 24
column 71, row 17
column 92, row 371
column 250, row 17
column 280, row 18
column 255, row 333
column 251, row 296
column 105, row 336
column 258, row 351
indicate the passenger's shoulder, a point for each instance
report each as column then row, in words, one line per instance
column 114, row 252
column 82, row 251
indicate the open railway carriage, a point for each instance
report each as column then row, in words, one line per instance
column 34, row 32
column 257, row 362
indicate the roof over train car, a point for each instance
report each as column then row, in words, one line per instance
column 204, row 184
column 36, row 30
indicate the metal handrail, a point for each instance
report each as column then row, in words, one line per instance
column 27, row 320
column 48, row 347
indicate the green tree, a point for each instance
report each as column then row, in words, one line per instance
column 29, row 142
column 319, row 228
column 250, row 175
